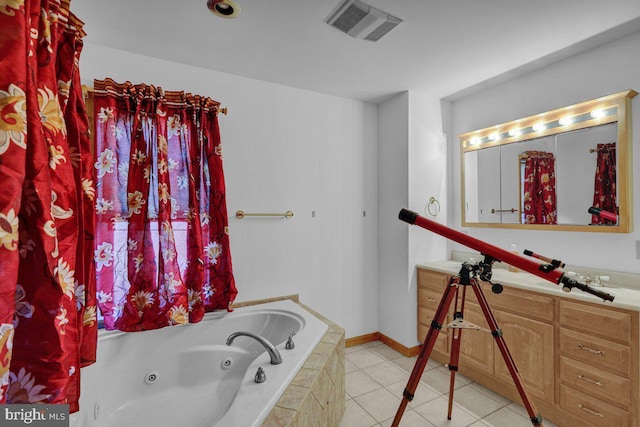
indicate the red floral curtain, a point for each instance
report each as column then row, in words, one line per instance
column 539, row 188
column 162, row 245
column 47, row 304
column 604, row 195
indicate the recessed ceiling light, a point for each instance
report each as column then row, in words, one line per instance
column 223, row 8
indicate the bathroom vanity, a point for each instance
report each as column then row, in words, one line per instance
column 579, row 357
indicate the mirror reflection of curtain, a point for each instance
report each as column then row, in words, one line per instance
column 604, row 194
column 162, row 245
column 539, row 198
column 46, row 207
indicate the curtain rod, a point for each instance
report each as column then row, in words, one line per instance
column 86, row 90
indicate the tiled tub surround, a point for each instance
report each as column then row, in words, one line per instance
column 316, row 396
column 310, row 381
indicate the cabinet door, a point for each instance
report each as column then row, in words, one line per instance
column 476, row 346
column 530, row 343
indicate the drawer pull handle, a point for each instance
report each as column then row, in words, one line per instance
column 589, row 380
column 430, row 299
column 589, row 411
column 600, row 352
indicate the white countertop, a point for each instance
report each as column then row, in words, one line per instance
column 623, row 298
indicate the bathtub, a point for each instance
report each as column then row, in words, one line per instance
column 187, row 376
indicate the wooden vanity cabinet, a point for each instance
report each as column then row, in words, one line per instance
column 431, row 287
column 579, row 361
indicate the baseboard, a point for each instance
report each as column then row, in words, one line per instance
column 362, row 339
column 377, row 336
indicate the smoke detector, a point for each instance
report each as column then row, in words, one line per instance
column 362, row 21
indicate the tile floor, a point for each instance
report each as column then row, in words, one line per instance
column 376, row 376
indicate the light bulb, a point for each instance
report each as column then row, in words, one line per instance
column 474, row 141
column 597, row 114
column 567, row 120
column 494, row 136
column 515, row 132
column 539, row 127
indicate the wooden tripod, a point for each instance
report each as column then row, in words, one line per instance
column 467, row 277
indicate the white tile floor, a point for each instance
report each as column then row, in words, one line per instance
column 376, row 376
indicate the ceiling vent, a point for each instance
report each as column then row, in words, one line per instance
column 362, row 21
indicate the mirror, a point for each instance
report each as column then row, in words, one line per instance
column 546, row 171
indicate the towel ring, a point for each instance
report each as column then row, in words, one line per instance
column 433, row 207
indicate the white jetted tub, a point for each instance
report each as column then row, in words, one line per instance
column 187, row 375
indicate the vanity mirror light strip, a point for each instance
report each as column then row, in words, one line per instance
column 592, row 118
column 586, row 114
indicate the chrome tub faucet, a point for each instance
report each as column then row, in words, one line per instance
column 274, row 354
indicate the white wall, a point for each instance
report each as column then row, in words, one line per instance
column 601, row 71
column 393, row 143
column 286, row 149
column 412, row 168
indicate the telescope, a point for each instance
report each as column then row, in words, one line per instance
column 547, row 271
column 458, row 284
column 611, row 216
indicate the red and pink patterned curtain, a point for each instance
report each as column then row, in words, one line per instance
column 539, row 188
column 162, row 245
column 604, row 195
column 47, row 292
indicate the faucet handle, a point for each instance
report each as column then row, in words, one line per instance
column 290, row 345
column 260, row 376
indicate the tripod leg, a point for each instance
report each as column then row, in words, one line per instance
column 454, row 356
column 534, row 415
column 425, row 350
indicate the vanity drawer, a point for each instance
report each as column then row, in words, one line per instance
column 595, row 351
column 428, row 298
column 592, row 411
column 432, row 280
column 523, row 303
column 610, row 324
column 596, row 382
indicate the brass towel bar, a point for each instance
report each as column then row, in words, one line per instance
column 242, row 214
column 512, row 210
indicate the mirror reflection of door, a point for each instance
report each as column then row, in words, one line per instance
column 576, row 171
column 511, row 176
